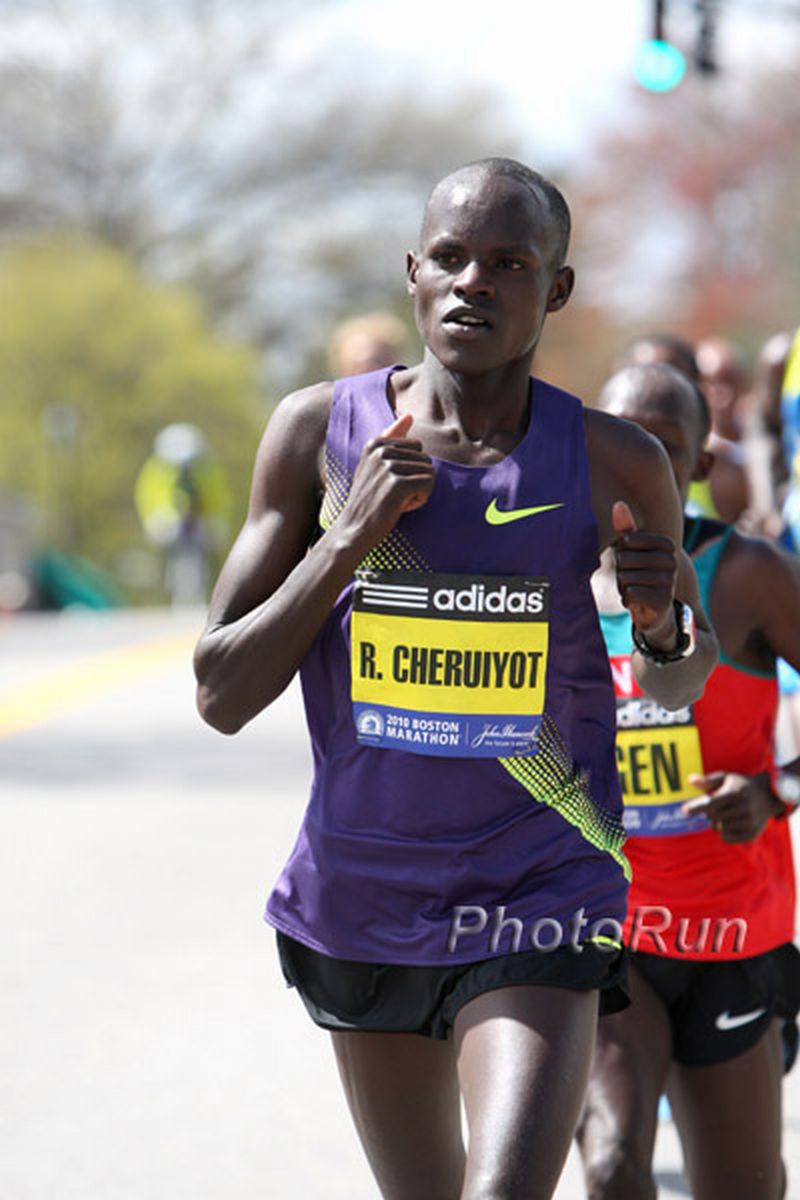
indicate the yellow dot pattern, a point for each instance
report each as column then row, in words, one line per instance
column 337, row 489
column 551, row 778
column 394, row 553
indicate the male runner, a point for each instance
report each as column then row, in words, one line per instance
column 419, row 545
column 716, row 367
column 775, row 438
column 726, row 382
column 711, row 907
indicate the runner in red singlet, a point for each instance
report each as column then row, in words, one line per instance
column 711, row 907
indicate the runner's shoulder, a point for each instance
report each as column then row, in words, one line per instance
column 620, row 444
column 301, row 418
column 290, row 455
column 754, row 564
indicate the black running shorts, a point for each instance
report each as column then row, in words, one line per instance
column 344, row 995
column 720, row 1009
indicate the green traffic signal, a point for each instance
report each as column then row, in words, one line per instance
column 658, row 66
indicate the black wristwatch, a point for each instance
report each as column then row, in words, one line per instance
column 684, row 623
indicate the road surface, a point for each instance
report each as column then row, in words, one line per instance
column 150, row 1050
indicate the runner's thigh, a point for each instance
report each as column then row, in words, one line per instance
column 729, row 1119
column 523, row 1059
column 402, row 1089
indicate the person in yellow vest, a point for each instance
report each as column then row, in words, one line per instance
column 183, row 501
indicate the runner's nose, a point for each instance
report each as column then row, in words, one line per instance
column 473, row 280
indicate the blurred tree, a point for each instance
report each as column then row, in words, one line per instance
column 94, row 360
column 236, row 147
column 687, row 219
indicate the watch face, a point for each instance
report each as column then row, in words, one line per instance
column 685, row 638
column 787, row 785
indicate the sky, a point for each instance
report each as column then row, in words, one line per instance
column 564, row 67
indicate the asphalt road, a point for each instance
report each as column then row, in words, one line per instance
column 149, row 1049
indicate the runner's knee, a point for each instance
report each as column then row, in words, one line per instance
column 614, row 1166
column 613, row 1172
column 510, row 1187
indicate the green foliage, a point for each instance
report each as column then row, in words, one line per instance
column 94, row 360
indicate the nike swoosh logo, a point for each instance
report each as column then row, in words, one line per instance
column 725, row 1021
column 498, row 516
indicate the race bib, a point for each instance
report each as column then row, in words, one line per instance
column 657, row 750
column 449, row 664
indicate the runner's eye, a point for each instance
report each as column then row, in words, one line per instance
column 445, row 258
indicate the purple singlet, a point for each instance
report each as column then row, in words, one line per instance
column 465, row 799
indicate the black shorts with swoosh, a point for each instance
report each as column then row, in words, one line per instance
column 720, row 1009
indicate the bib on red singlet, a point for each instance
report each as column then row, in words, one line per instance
column 657, row 750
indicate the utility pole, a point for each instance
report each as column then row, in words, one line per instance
column 705, row 46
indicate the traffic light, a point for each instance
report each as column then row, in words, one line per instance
column 658, row 66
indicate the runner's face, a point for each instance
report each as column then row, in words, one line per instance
column 485, row 276
column 674, row 427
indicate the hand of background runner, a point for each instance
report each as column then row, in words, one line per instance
column 394, row 475
column 737, row 806
column 646, row 571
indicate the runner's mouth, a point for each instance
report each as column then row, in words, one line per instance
column 463, row 318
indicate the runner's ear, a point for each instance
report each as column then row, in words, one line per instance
column 560, row 289
column 412, row 266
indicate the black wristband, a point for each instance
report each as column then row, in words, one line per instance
column 684, row 646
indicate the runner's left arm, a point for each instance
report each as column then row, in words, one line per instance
column 638, row 513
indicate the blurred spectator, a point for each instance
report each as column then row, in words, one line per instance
column 367, row 343
column 660, row 348
column 16, row 540
column 183, row 502
column 718, row 368
column 790, row 428
column 726, row 381
column 775, row 459
column 768, row 456
column 777, row 420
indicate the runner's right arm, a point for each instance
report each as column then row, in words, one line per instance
column 762, row 584
column 274, row 593
column 629, row 465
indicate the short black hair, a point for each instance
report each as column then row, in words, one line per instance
column 542, row 190
column 667, row 378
